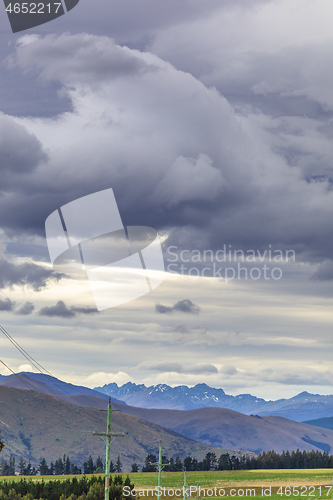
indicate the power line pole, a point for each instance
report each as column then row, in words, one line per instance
column 159, row 470
column 108, row 436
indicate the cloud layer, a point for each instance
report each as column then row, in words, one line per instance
column 194, row 166
column 212, row 122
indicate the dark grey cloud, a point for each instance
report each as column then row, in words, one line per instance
column 60, row 310
column 220, row 177
column 203, row 368
column 27, row 273
column 20, row 152
column 84, row 310
column 162, row 367
column 95, row 60
column 163, row 309
column 25, row 309
column 185, row 306
column 7, row 305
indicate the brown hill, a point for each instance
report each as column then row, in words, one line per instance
column 35, row 425
column 229, row 429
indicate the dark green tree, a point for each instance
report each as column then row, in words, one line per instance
column 88, row 466
column 135, row 467
column 119, row 465
column 22, row 466
column 59, row 467
column 188, row 464
column 51, row 470
column 224, row 462
column 99, row 463
column 150, row 464
column 209, row 462
column 43, row 467
column 11, row 466
column 2, row 444
column 67, row 465
column 178, row 465
column 3, row 467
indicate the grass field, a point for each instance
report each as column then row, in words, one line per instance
column 275, row 483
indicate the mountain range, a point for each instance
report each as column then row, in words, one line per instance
column 32, row 423
column 35, row 425
column 304, row 406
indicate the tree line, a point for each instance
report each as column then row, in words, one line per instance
column 68, row 489
column 265, row 460
column 62, row 466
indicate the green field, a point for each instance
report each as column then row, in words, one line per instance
column 275, row 483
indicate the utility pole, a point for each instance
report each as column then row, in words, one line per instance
column 159, row 470
column 108, row 436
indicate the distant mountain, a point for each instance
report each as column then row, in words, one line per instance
column 35, row 425
column 230, row 429
column 180, row 397
column 304, row 406
column 218, row 427
column 326, row 423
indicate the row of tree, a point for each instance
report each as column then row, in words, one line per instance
column 265, row 460
column 69, row 489
column 62, row 466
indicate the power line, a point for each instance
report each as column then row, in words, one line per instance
column 17, row 375
column 31, row 360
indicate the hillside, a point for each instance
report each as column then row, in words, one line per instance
column 326, row 423
column 50, row 385
column 303, row 407
column 230, row 429
column 35, row 425
column 218, row 427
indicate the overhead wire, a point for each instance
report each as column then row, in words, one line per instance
column 17, row 375
column 32, row 360
column 35, row 363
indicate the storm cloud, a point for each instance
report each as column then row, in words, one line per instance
column 61, row 310
column 6, row 305
column 204, row 187
column 212, row 122
column 27, row 273
column 185, row 306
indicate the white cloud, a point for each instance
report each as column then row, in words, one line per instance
column 97, row 379
column 25, row 368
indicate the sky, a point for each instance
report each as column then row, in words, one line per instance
column 212, row 122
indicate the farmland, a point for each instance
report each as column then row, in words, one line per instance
column 276, row 484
